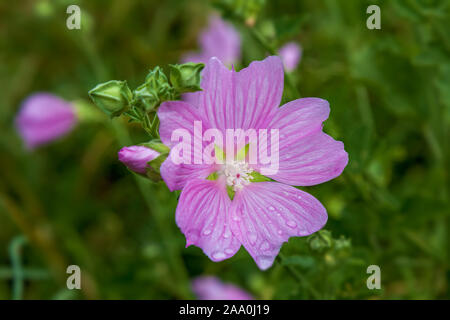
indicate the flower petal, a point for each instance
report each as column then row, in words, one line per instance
column 175, row 115
column 136, row 158
column 241, row 100
column 290, row 54
column 311, row 160
column 307, row 156
column 203, row 216
column 266, row 214
column 176, row 176
column 298, row 118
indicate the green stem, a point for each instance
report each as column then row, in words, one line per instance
column 15, row 250
column 314, row 293
column 173, row 256
column 155, row 126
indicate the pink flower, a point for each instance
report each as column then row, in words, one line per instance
column 290, row 54
column 219, row 40
column 211, row 288
column 262, row 215
column 43, row 118
column 136, row 158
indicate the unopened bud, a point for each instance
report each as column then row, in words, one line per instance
column 145, row 159
column 155, row 90
column 112, row 97
column 186, row 77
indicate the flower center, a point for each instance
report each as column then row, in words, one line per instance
column 237, row 174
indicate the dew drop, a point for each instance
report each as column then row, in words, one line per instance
column 229, row 251
column 280, row 232
column 271, row 208
column 207, row 232
column 192, row 236
column 227, row 234
column 218, row 255
column 264, row 246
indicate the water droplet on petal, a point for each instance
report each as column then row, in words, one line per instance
column 271, row 208
column 207, row 232
column 236, row 218
column 192, row 236
column 264, row 246
column 229, row 251
column 227, row 234
column 218, row 255
column 291, row 224
column 252, row 238
column 280, row 232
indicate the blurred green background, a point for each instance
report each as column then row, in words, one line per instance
column 72, row 202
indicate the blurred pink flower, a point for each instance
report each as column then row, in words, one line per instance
column 262, row 215
column 219, row 40
column 43, row 118
column 137, row 157
column 290, row 54
column 211, row 288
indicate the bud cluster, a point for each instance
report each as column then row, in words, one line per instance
column 116, row 98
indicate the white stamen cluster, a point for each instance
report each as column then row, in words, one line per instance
column 237, row 174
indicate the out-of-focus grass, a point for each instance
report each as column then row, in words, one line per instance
column 75, row 204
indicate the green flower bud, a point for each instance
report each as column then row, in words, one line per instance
column 156, row 78
column 186, row 77
column 146, row 97
column 320, row 240
column 112, row 97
